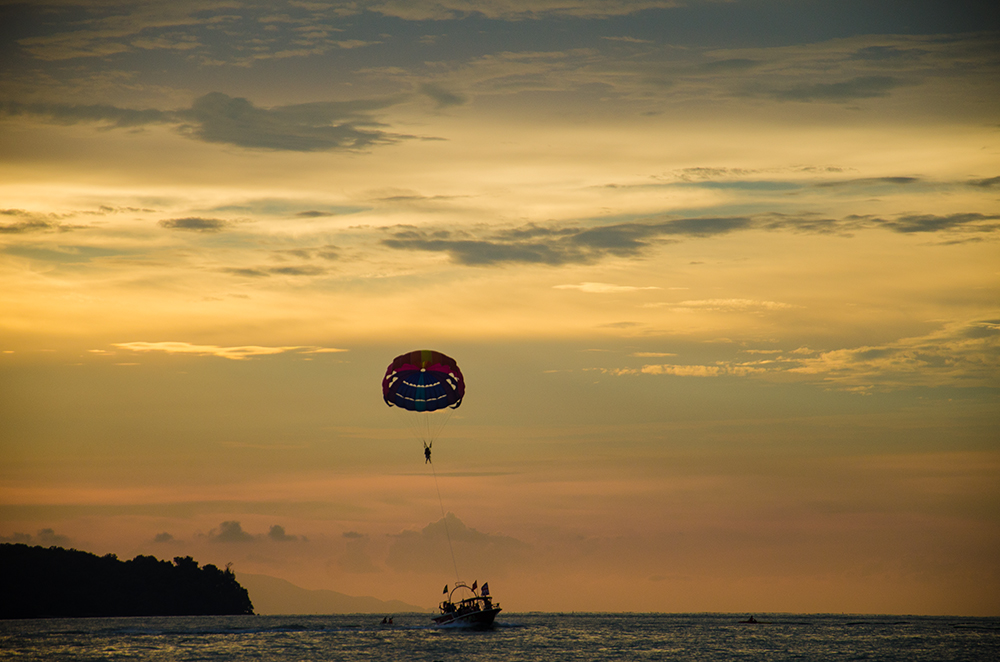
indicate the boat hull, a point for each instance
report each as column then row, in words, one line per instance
column 473, row 620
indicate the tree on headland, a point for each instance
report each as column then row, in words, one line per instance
column 52, row 582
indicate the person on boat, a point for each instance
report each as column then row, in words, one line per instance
column 427, row 452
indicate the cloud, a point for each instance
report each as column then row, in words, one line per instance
column 27, row 226
column 313, row 213
column 422, row 10
column 603, row 288
column 229, row 532
column 684, row 370
column 985, row 183
column 195, row 224
column 305, row 270
column 63, row 113
column 909, row 223
column 107, row 31
column 247, row 272
column 731, row 305
column 870, row 181
column 34, row 222
column 700, row 173
column 44, row 538
column 427, row 550
column 860, row 87
column 232, row 532
column 237, row 33
column 327, row 254
column 163, row 537
column 558, row 245
column 882, row 53
column 235, row 353
column 442, row 97
column 959, row 354
column 534, row 244
column 736, row 64
column 219, row 118
column 629, row 40
column 277, row 534
column 308, row 127
column 960, row 222
column 661, row 76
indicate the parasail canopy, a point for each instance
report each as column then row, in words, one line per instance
column 423, row 380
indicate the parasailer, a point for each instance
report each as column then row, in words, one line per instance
column 424, row 382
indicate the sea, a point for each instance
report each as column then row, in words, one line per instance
column 531, row 637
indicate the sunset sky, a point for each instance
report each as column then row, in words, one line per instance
column 723, row 279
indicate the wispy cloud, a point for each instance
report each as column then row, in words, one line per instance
column 960, row 354
column 28, row 222
column 265, row 272
column 441, row 96
column 965, row 354
column 603, row 288
column 422, row 10
column 989, row 182
column 234, row 353
column 870, row 181
column 909, row 223
column 65, row 113
column 859, row 87
column 739, row 305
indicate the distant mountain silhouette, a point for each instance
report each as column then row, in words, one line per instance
column 52, row 582
column 277, row 596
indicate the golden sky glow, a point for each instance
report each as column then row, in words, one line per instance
column 723, row 280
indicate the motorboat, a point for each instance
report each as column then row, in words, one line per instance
column 467, row 607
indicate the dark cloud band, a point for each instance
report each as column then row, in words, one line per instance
column 195, row 224
column 555, row 246
column 219, row 118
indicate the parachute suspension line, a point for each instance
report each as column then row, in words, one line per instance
column 445, row 519
column 427, row 426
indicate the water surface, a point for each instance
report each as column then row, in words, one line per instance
column 541, row 637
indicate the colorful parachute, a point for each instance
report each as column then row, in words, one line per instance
column 423, row 381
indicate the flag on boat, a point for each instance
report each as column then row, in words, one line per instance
column 486, row 588
column 475, row 584
column 445, row 588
